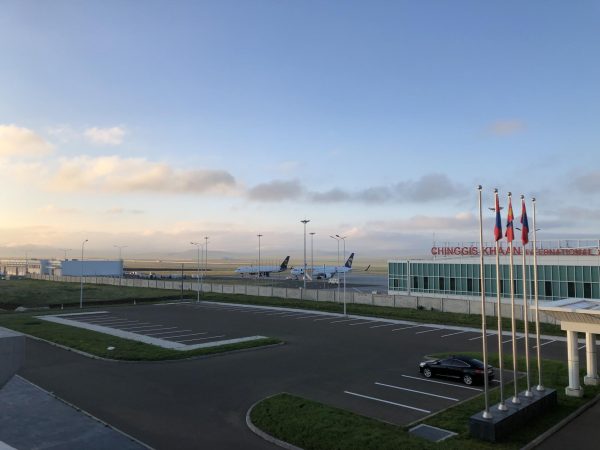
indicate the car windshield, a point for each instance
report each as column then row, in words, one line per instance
column 476, row 363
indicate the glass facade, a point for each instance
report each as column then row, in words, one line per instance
column 445, row 278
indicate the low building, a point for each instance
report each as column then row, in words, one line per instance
column 454, row 271
column 92, row 268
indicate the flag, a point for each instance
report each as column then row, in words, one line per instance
column 510, row 232
column 498, row 224
column 524, row 224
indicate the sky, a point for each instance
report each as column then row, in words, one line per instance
column 152, row 124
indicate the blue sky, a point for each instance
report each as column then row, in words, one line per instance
column 151, row 123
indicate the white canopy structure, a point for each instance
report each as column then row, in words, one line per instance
column 578, row 316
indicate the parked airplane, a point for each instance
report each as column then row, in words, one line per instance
column 319, row 272
column 264, row 271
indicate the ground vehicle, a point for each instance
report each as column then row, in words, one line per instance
column 468, row 370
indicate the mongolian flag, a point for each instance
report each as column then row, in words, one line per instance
column 510, row 232
column 524, row 224
column 498, row 224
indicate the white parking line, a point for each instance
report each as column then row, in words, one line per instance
column 185, row 335
column 407, row 328
column 305, row 317
column 428, row 331
column 360, row 323
column 345, row 320
column 204, row 338
column 174, row 330
column 384, row 325
column 108, row 324
column 324, row 318
column 545, row 343
column 145, row 331
column 441, row 382
column 103, row 320
column 452, row 334
column 479, row 337
column 509, row 340
column 149, row 325
column 418, row 392
column 388, row 402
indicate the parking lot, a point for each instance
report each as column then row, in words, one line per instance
column 369, row 366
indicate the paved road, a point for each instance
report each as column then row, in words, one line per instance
column 202, row 403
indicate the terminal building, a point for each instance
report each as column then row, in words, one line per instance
column 73, row 267
column 566, row 269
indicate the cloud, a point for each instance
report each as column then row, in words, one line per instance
column 105, row 136
column 117, row 174
column 116, row 211
column 428, row 188
column 506, row 127
column 52, row 209
column 276, row 191
column 18, row 141
column 588, row 183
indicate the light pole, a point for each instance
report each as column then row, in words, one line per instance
column 258, row 270
column 198, row 246
column 120, row 247
column 305, row 221
column 206, row 254
column 338, row 253
column 312, row 255
column 81, row 278
column 66, row 250
column 343, row 238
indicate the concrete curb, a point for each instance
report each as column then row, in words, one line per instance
column 76, row 408
column 267, row 437
column 549, row 432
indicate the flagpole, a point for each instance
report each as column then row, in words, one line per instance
column 525, row 300
column 501, row 406
column 486, row 412
column 540, row 386
column 515, row 399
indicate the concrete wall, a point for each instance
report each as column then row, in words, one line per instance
column 12, row 354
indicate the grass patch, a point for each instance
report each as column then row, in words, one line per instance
column 312, row 425
column 125, row 349
column 35, row 293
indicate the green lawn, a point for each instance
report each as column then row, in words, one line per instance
column 312, row 425
column 36, row 293
column 98, row 343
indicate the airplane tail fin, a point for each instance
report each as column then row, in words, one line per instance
column 368, row 267
column 284, row 264
column 349, row 262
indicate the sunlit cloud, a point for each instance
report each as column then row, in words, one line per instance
column 53, row 209
column 276, row 191
column 19, row 141
column 105, row 136
column 118, row 174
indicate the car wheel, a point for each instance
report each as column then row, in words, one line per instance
column 427, row 372
column 468, row 379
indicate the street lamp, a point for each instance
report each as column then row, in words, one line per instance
column 120, row 247
column 338, row 251
column 258, row 270
column 206, row 254
column 343, row 238
column 198, row 245
column 312, row 255
column 66, row 250
column 81, row 278
column 305, row 221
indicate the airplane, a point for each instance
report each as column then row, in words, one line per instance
column 263, row 270
column 324, row 272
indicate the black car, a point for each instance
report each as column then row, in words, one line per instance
column 468, row 370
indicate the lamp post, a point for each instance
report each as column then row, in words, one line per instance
column 120, row 247
column 343, row 238
column 206, row 254
column 305, row 221
column 258, row 270
column 312, row 255
column 338, row 251
column 66, row 250
column 198, row 246
column 81, row 278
